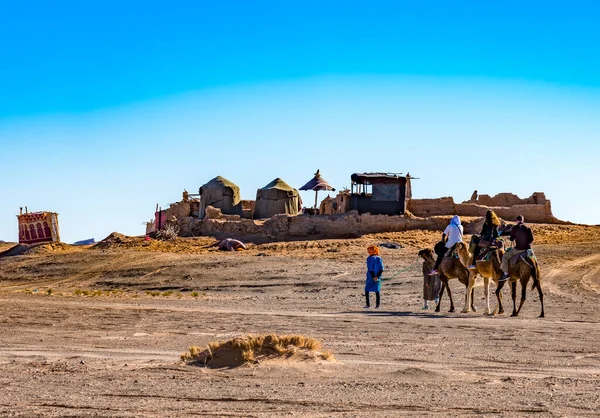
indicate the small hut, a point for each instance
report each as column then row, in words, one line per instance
column 275, row 198
column 222, row 194
column 38, row 227
column 380, row 193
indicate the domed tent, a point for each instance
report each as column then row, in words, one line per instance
column 220, row 193
column 275, row 198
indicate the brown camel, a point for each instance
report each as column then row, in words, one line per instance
column 526, row 267
column 489, row 268
column 452, row 268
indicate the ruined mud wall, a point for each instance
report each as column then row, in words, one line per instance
column 511, row 207
column 337, row 205
column 509, row 199
column 178, row 210
column 345, row 225
column 248, row 208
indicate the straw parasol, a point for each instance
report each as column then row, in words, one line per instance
column 317, row 183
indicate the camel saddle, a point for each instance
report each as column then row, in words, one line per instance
column 523, row 255
column 452, row 253
column 487, row 251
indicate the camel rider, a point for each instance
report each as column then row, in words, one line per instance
column 522, row 237
column 453, row 234
column 489, row 232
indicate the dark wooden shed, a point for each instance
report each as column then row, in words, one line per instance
column 380, row 193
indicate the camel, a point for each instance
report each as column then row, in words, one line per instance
column 452, row 268
column 525, row 268
column 489, row 268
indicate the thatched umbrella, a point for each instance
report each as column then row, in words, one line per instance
column 317, row 183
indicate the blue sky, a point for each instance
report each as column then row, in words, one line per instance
column 108, row 109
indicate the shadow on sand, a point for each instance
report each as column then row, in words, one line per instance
column 419, row 314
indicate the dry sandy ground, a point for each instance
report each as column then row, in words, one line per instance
column 117, row 354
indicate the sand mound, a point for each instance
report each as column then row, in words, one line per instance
column 23, row 249
column 113, row 240
column 255, row 350
column 15, row 250
column 48, row 248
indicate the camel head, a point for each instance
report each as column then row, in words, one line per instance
column 463, row 253
column 426, row 254
column 473, row 242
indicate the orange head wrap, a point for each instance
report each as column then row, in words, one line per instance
column 373, row 250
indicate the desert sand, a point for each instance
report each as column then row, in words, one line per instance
column 98, row 331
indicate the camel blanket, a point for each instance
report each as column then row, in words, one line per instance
column 431, row 287
column 231, row 245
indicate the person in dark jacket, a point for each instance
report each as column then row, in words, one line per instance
column 523, row 237
column 489, row 232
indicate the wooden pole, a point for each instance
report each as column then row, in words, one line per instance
column 316, row 194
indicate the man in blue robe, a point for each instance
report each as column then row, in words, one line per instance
column 374, row 272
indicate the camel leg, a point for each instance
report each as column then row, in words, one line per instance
column 444, row 284
column 523, row 294
column 469, row 293
column 500, row 308
column 450, row 296
column 486, row 293
column 539, row 288
column 513, row 294
column 473, row 307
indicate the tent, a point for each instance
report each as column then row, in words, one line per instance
column 275, row 198
column 317, row 183
column 220, row 193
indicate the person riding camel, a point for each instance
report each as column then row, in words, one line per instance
column 452, row 235
column 489, row 232
column 523, row 237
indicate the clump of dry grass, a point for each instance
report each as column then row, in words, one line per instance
column 253, row 348
column 91, row 293
column 168, row 233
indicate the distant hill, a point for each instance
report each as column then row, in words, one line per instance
column 85, row 242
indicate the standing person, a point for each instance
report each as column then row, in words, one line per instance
column 374, row 271
column 523, row 237
column 489, row 232
column 453, row 234
column 431, row 284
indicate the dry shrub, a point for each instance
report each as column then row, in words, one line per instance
column 253, row 348
column 169, row 232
